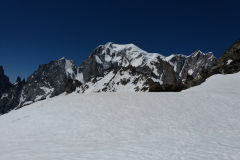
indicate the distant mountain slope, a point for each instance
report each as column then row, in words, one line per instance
column 201, row 123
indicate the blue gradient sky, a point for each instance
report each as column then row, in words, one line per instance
column 34, row 32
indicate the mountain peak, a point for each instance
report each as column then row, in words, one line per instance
column 122, row 47
column 63, row 58
column 197, row 52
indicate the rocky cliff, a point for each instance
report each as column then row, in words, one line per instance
column 229, row 62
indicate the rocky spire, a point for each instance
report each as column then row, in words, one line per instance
column 4, row 81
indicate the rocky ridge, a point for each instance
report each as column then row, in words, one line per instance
column 229, row 62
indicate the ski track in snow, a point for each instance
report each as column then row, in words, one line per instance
column 201, row 123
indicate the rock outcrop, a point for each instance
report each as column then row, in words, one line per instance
column 48, row 80
column 229, row 62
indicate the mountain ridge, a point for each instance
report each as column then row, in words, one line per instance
column 114, row 68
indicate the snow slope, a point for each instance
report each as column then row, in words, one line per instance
column 202, row 123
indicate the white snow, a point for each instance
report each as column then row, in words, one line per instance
column 122, row 81
column 134, row 56
column 194, row 54
column 190, row 72
column 98, row 60
column 100, row 84
column 48, row 91
column 4, row 95
column 229, row 61
column 120, row 47
column 22, row 99
column 28, row 102
column 170, row 57
column 79, row 77
column 69, row 68
column 63, row 58
column 107, row 58
column 201, row 123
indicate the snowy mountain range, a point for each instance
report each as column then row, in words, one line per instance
column 112, row 68
column 62, row 116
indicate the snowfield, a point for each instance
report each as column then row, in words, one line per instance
column 202, row 123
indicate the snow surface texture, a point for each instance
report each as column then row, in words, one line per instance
column 229, row 61
column 201, row 123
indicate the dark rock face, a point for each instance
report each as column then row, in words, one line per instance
column 11, row 98
column 72, row 85
column 9, row 93
column 4, row 81
column 48, row 81
column 192, row 65
column 229, row 62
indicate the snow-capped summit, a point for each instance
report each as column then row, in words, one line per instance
column 112, row 67
column 120, row 47
column 110, row 59
column 123, row 54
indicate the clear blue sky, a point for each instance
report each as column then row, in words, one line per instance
column 34, row 32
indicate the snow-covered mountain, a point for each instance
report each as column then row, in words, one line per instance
column 111, row 68
column 201, row 123
column 114, row 67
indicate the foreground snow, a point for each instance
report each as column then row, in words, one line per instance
column 202, row 123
